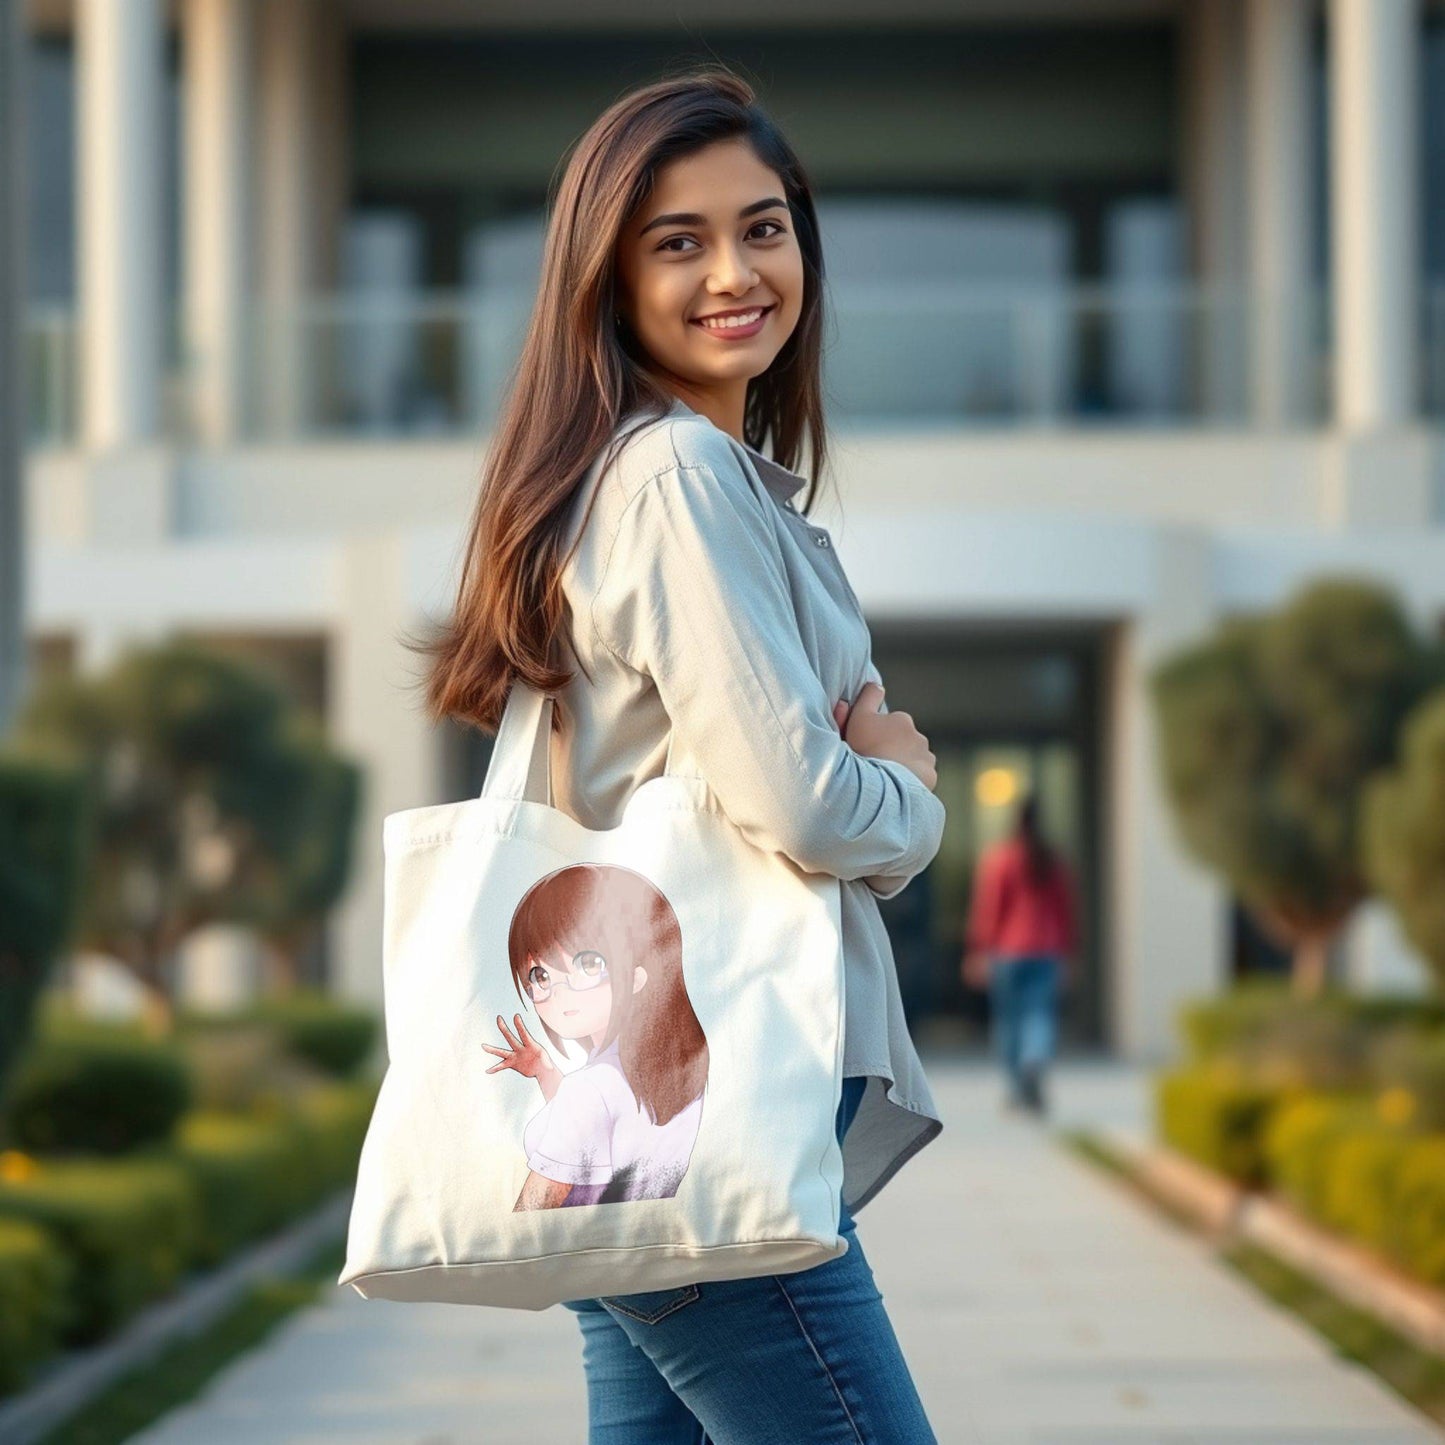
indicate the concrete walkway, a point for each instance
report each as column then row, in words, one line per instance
column 1036, row 1301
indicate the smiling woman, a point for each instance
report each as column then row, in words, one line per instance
column 636, row 555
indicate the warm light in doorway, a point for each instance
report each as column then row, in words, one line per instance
column 996, row 787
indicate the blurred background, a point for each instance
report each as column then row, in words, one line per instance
column 1136, row 360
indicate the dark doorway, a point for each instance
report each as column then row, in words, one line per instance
column 1007, row 708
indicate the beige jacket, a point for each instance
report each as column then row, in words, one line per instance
column 703, row 601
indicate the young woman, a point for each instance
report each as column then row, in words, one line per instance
column 1022, row 941
column 636, row 554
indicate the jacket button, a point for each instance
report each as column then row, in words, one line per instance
column 821, row 540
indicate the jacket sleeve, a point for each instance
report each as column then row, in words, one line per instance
column 890, row 885
column 694, row 594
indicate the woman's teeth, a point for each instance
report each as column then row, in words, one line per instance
column 727, row 323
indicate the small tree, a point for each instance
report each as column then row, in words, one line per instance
column 302, row 871
column 1404, row 833
column 1268, row 732
column 202, row 799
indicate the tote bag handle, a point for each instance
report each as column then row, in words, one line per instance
column 520, row 769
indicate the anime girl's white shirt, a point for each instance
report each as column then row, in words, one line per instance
column 594, row 1135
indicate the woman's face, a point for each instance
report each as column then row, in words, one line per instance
column 715, row 236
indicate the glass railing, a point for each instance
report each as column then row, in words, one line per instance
column 923, row 354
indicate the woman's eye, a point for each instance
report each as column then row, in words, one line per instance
column 538, row 975
column 781, row 230
column 591, row 964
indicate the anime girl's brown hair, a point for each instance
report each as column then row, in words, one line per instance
column 626, row 919
column 580, row 374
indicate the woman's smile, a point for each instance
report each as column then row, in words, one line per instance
column 736, row 323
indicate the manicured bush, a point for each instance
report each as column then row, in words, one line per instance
column 336, row 1037
column 1299, row 1140
column 1360, row 1184
column 90, row 1092
column 128, row 1227
column 326, row 1033
column 34, row 1294
column 1414, row 1061
column 335, row 1117
column 250, row 1175
column 1216, row 1114
column 1418, row 1199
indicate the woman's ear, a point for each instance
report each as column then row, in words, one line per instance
column 639, row 977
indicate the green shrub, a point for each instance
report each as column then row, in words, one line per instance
column 1233, row 1024
column 1299, row 1140
column 128, row 1227
column 1414, row 1060
column 1215, row 1114
column 336, row 1037
column 34, row 1294
column 93, row 1093
column 335, row 1117
column 1360, row 1184
column 330, row 1035
column 250, row 1174
column 1418, row 1229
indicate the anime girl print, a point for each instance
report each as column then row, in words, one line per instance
column 598, row 952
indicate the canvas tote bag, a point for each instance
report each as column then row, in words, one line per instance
column 691, row 1135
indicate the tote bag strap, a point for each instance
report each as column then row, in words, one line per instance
column 521, row 764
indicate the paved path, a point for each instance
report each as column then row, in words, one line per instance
column 1037, row 1302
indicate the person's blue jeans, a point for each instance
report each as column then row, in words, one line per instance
column 773, row 1360
column 1024, row 1001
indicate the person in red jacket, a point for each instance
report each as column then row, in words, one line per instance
column 1021, row 938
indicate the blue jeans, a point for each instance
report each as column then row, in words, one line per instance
column 773, row 1360
column 1023, row 998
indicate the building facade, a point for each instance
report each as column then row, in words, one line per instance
column 1133, row 326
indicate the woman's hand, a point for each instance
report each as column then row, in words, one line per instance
column 885, row 734
column 526, row 1057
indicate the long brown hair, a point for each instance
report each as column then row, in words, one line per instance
column 580, row 374
column 1039, row 856
column 628, row 920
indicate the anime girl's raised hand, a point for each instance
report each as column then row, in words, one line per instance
column 526, row 1057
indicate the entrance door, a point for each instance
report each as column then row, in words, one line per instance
column 1008, row 710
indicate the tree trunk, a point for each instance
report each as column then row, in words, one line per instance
column 1310, row 965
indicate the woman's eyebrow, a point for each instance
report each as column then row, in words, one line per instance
column 691, row 218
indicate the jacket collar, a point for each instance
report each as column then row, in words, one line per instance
column 778, row 479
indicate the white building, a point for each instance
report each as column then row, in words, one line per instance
column 1134, row 327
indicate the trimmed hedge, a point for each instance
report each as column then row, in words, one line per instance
column 34, row 1284
column 129, row 1227
column 95, row 1093
column 334, row 1037
column 1217, row 1114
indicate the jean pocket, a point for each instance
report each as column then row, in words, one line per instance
column 651, row 1305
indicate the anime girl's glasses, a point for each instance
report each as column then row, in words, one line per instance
column 588, row 969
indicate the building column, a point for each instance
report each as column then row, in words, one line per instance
column 217, row 60
column 375, row 715
column 1167, row 913
column 118, row 51
column 1281, row 290
column 292, row 200
column 1212, row 64
column 1375, row 208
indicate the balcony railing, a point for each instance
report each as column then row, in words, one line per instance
column 922, row 354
